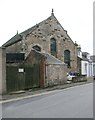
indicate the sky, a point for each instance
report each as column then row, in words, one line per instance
column 76, row 16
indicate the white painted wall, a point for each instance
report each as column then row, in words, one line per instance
column 80, row 54
column 87, row 68
column 93, row 69
column 84, row 70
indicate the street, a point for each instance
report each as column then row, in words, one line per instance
column 74, row 102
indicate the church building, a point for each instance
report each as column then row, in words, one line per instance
column 51, row 40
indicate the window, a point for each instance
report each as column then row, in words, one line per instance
column 53, row 47
column 67, row 57
column 37, row 48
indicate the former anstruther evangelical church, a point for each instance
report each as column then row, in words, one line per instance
column 46, row 44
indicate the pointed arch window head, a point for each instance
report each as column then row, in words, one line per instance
column 67, row 57
column 53, row 47
column 37, row 48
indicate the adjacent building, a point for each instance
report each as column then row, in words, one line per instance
column 79, row 59
column 93, row 59
column 86, row 65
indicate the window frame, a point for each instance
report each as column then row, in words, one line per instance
column 53, row 47
column 67, row 58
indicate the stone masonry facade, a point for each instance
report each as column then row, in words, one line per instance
column 56, row 74
column 40, row 35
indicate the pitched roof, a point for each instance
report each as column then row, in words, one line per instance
column 13, row 40
column 52, row 60
column 19, row 37
column 84, row 56
column 93, row 58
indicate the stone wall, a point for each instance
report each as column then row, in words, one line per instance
column 2, row 71
column 55, row 74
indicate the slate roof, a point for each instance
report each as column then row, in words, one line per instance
column 52, row 60
column 93, row 58
column 19, row 37
column 84, row 56
column 13, row 40
column 49, row 58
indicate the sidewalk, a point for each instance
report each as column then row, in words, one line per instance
column 36, row 91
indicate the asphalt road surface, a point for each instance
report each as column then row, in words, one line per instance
column 74, row 102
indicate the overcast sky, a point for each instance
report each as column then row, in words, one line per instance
column 76, row 16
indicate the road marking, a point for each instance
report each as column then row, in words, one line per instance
column 44, row 93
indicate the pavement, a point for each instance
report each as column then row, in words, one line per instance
column 38, row 91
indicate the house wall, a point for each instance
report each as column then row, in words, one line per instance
column 87, row 71
column 79, row 59
column 55, row 74
column 84, row 70
column 90, row 69
column 2, row 71
column 93, row 68
column 79, row 65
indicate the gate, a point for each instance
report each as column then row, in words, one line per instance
column 32, row 76
column 14, row 79
column 22, row 77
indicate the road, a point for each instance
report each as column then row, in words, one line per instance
column 74, row 102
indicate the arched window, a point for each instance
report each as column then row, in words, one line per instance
column 53, row 47
column 36, row 47
column 67, row 57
